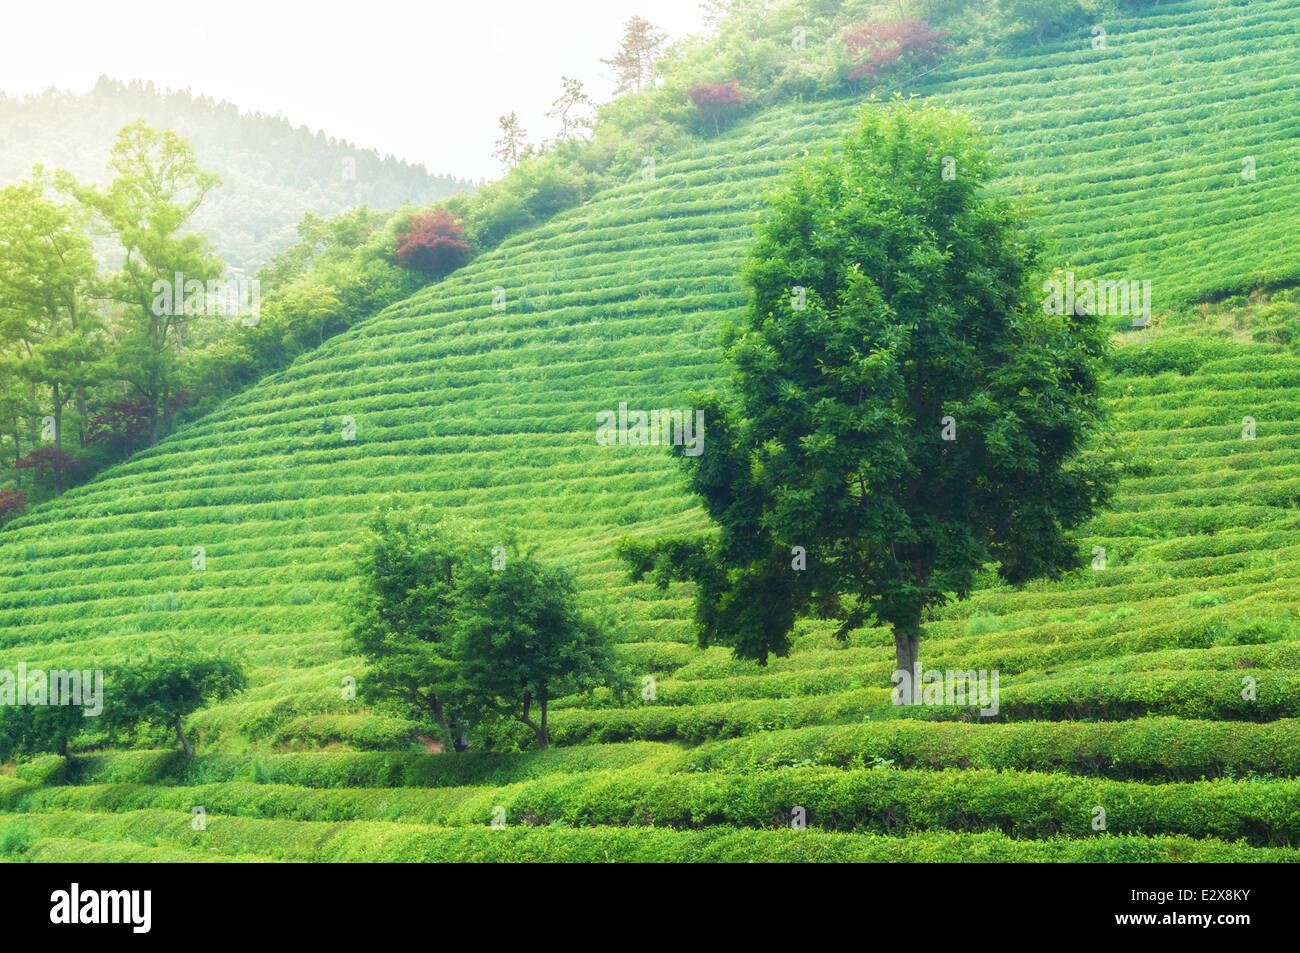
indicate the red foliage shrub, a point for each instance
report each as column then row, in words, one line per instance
column 11, row 504
column 887, row 45
column 49, row 464
column 124, row 424
column 433, row 243
column 718, row 100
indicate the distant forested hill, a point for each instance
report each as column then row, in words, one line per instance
column 271, row 172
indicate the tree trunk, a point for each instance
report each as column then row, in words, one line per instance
column 439, row 717
column 81, row 417
column 538, row 730
column 153, row 423
column 907, row 644
column 18, row 455
column 180, row 735
column 544, row 736
column 58, row 437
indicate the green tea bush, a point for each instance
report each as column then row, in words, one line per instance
column 1181, row 354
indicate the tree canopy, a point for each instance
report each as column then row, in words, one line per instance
column 902, row 412
column 402, row 616
column 522, row 642
column 452, row 628
column 160, row 689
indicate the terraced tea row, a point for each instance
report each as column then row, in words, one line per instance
column 116, row 838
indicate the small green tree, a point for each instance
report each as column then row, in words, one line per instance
column 40, row 729
column 572, row 109
column 402, row 617
column 1040, row 18
column 510, row 147
column 903, row 414
column 522, row 642
column 160, row 690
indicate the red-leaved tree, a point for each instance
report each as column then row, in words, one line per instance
column 49, row 464
column 124, row 424
column 433, row 243
column 11, row 504
column 882, row 47
column 718, row 101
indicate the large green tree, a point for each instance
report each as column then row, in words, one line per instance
column 156, row 189
column 48, row 325
column 903, row 413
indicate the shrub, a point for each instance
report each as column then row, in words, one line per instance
column 45, row 770
column 12, row 503
column 718, row 101
column 1182, row 354
column 433, row 243
column 16, row 838
column 883, row 47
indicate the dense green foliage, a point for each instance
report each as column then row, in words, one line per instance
column 96, row 364
column 161, row 689
column 451, row 628
column 342, row 270
column 522, row 642
column 903, row 411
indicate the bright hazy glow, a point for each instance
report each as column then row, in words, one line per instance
column 424, row 81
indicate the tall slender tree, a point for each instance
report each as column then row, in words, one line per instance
column 510, row 147
column 641, row 47
column 47, row 273
column 157, row 188
column 570, row 109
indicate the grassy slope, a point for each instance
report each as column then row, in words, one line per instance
column 491, row 413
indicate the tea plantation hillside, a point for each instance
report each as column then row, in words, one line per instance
column 1160, row 687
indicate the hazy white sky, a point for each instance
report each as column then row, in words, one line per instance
column 424, row 81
